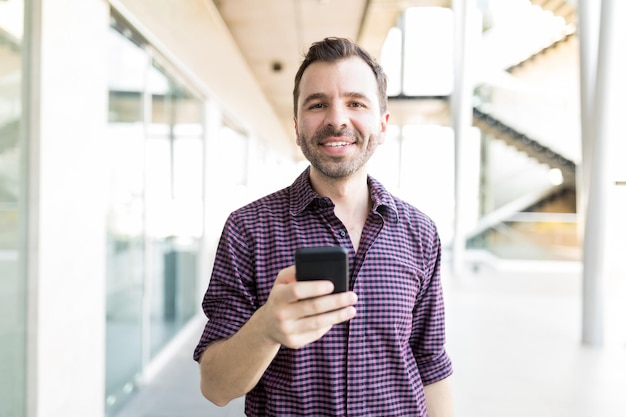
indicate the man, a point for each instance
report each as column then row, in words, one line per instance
column 293, row 348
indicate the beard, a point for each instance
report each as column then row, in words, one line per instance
column 337, row 167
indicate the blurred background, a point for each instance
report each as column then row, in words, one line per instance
column 130, row 129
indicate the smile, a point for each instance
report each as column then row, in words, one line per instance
column 336, row 144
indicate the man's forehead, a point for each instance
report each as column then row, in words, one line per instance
column 354, row 74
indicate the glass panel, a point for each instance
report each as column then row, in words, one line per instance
column 156, row 209
column 385, row 163
column 125, row 230
column 427, row 173
column 12, row 214
column 391, row 60
column 174, row 198
column 233, row 148
column 125, row 262
column 428, row 52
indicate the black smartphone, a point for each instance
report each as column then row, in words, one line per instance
column 323, row 263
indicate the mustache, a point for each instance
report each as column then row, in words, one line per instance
column 329, row 131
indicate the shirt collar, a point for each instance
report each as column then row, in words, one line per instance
column 302, row 196
column 384, row 203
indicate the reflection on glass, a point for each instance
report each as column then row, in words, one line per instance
column 125, row 262
column 155, row 210
column 174, row 206
column 12, row 214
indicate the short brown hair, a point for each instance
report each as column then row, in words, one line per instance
column 335, row 49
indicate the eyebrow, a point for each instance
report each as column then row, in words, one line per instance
column 320, row 96
column 313, row 97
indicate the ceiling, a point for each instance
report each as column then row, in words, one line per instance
column 271, row 37
column 274, row 35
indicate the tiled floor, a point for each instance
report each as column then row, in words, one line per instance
column 514, row 338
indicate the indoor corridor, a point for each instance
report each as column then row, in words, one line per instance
column 131, row 129
column 514, row 338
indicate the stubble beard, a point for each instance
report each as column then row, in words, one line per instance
column 337, row 167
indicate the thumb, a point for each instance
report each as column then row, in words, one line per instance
column 286, row 276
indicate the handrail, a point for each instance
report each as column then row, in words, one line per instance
column 540, row 152
column 510, row 210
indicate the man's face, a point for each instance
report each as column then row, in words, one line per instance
column 339, row 124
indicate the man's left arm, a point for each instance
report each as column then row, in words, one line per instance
column 439, row 398
column 429, row 334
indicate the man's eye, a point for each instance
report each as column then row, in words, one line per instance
column 316, row 106
column 355, row 104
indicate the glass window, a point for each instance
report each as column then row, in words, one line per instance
column 233, row 150
column 12, row 213
column 418, row 54
column 428, row 51
column 174, row 206
column 155, row 221
column 427, row 173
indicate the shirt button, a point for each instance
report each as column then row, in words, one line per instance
column 342, row 233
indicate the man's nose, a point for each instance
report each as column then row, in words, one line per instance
column 337, row 116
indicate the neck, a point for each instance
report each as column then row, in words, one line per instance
column 351, row 197
column 350, row 193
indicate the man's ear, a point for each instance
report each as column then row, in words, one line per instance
column 384, row 120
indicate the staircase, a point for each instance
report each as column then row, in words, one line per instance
column 529, row 121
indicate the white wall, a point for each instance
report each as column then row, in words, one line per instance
column 66, row 258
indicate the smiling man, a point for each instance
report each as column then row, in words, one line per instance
column 295, row 348
column 338, row 121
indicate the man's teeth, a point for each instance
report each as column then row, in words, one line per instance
column 336, row 144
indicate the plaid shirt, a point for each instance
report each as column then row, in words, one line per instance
column 374, row 365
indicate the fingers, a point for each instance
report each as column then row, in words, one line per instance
column 311, row 298
column 313, row 307
column 315, row 322
column 299, row 313
column 297, row 333
column 299, row 290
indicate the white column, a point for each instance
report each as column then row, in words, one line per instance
column 462, row 122
column 67, row 240
column 588, row 32
column 605, row 128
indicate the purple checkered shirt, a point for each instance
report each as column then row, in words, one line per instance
column 374, row 365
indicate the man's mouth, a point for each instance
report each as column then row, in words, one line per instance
column 335, row 144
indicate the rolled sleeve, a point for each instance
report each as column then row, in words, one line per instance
column 229, row 301
column 429, row 333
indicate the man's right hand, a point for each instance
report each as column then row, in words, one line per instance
column 299, row 313
column 295, row 314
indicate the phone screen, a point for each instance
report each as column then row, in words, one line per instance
column 323, row 263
